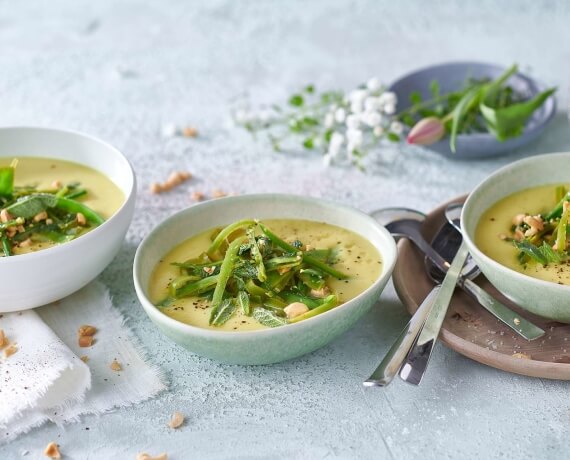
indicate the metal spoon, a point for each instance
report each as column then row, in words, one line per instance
column 403, row 222
column 447, row 245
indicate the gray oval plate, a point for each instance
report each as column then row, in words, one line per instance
column 452, row 76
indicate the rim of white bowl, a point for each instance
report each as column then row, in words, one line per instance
column 152, row 310
column 93, row 233
column 471, row 244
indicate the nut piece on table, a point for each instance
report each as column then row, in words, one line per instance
column 145, row 456
column 10, row 350
column 3, row 339
column 116, row 366
column 197, row 196
column 85, row 341
column 52, row 450
column 87, row 330
column 521, row 356
column 189, row 131
column 177, row 420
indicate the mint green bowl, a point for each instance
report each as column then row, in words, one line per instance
column 547, row 299
column 269, row 345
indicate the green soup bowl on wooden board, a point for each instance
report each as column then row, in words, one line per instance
column 277, row 344
column 544, row 298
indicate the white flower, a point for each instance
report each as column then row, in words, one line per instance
column 241, row 116
column 396, row 127
column 356, row 106
column 357, row 95
column 340, row 115
column 371, row 104
column 372, row 119
column 352, row 122
column 390, row 109
column 265, row 116
column 169, row 130
column 373, row 84
column 355, row 137
column 388, row 97
column 327, row 159
column 378, row 131
column 335, row 144
column 329, row 120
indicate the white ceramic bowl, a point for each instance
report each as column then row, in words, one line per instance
column 38, row 278
column 544, row 298
column 268, row 345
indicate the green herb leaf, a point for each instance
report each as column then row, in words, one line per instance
column 415, row 97
column 268, row 318
column 462, row 107
column 296, row 100
column 393, row 137
column 31, row 205
column 221, row 313
column 309, row 143
column 543, row 255
column 310, row 89
column 6, row 181
column 244, row 303
column 507, row 122
column 549, row 254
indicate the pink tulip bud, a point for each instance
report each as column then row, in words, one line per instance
column 426, row 131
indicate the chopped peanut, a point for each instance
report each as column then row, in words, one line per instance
column 145, row 456
column 197, row 196
column 189, row 131
column 518, row 219
column 85, row 341
column 116, row 366
column 40, row 216
column 56, row 184
column 86, row 329
column 295, row 309
column 52, row 450
column 155, row 187
column 209, row 270
column 534, row 222
column 81, row 220
column 521, row 356
column 5, row 216
column 320, row 293
column 26, row 243
column 177, row 420
column 84, row 358
column 217, row 193
column 175, row 178
column 3, row 339
column 10, row 350
column 48, row 221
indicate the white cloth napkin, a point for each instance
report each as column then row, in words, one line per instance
column 45, row 380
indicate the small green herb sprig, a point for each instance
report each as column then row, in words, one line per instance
column 332, row 121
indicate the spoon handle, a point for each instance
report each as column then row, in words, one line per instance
column 512, row 319
column 418, row 358
column 393, row 360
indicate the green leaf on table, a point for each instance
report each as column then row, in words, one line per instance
column 393, row 137
column 296, row 100
column 468, row 100
column 310, row 89
column 6, row 181
column 268, row 318
column 507, row 122
column 309, row 143
column 222, row 312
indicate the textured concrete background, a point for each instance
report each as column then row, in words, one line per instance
column 120, row 69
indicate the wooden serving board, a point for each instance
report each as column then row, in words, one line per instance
column 471, row 330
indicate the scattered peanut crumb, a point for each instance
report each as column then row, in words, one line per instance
column 189, row 131
column 5, row 216
column 176, row 421
column 521, row 356
column 48, row 221
column 197, row 196
column 516, row 321
column 3, row 339
column 40, row 216
column 145, row 456
column 52, row 450
column 175, row 179
column 10, row 350
column 116, row 366
column 209, row 270
column 217, row 193
column 86, row 329
column 26, row 243
column 81, row 220
column 56, row 184
column 85, row 341
column 84, row 358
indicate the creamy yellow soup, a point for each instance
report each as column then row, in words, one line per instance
column 497, row 220
column 103, row 195
column 357, row 257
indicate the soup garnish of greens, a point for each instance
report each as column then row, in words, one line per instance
column 32, row 217
column 245, row 276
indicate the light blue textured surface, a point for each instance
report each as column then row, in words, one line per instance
column 119, row 70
